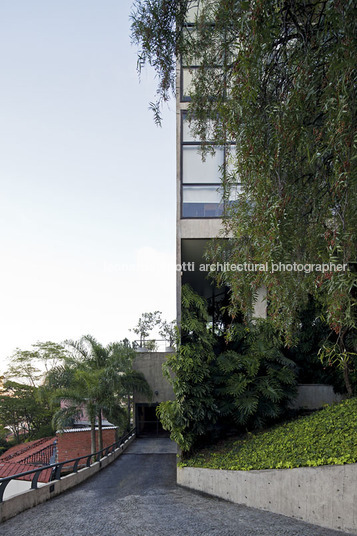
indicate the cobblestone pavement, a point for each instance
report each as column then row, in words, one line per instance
column 137, row 496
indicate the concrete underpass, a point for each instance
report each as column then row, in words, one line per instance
column 137, row 495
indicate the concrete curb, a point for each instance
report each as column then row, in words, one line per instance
column 325, row 496
column 22, row 501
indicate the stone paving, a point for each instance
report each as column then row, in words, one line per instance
column 137, row 496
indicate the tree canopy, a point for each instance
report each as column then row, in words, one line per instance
column 101, row 379
column 277, row 78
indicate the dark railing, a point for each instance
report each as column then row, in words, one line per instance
column 152, row 345
column 56, row 468
column 42, row 457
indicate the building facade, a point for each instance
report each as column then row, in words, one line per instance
column 200, row 203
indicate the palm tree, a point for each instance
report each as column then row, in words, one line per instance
column 101, row 378
column 77, row 385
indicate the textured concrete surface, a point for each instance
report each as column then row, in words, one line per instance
column 324, row 495
column 137, row 496
column 18, row 486
column 150, row 364
column 314, row 396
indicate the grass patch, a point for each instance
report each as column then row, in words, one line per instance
column 328, row 437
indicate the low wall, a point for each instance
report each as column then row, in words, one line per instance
column 16, row 504
column 314, row 396
column 18, row 486
column 325, row 496
column 76, row 442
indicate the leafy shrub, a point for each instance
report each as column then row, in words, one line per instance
column 190, row 417
column 258, row 382
column 4, row 445
column 327, row 437
column 250, row 384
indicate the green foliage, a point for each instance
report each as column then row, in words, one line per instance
column 258, row 382
column 27, row 365
column 157, row 29
column 311, row 335
column 248, row 384
column 328, row 437
column 99, row 377
column 3, row 446
column 25, row 410
column 290, row 74
column 283, row 87
column 190, row 417
column 149, row 322
column 146, row 323
column 342, row 357
column 83, row 372
column 167, row 330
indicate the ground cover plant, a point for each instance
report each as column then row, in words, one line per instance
column 327, row 437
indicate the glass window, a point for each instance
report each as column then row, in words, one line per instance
column 213, row 75
column 187, row 78
column 195, row 8
column 230, row 164
column 202, row 193
column 201, row 202
column 192, row 11
column 234, row 192
column 187, row 134
column 194, row 169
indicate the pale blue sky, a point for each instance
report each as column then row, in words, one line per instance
column 87, row 181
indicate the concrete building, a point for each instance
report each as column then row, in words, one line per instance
column 199, row 212
column 146, row 421
column 200, row 204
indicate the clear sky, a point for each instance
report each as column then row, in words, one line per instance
column 87, row 181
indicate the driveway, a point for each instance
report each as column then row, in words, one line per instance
column 137, row 496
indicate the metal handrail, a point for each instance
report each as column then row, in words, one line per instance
column 57, row 467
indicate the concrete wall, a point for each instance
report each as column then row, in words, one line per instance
column 315, row 395
column 325, row 496
column 23, row 501
column 18, row 486
column 150, row 364
column 199, row 228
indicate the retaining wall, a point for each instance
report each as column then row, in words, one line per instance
column 325, row 496
column 16, row 504
column 314, row 396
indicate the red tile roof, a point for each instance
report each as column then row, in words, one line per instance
column 22, row 451
column 10, row 468
column 11, row 462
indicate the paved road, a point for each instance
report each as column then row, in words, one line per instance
column 137, row 496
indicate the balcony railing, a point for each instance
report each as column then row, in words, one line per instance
column 152, row 345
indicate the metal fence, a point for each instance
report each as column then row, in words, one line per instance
column 42, row 457
column 56, row 468
column 153, row 345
